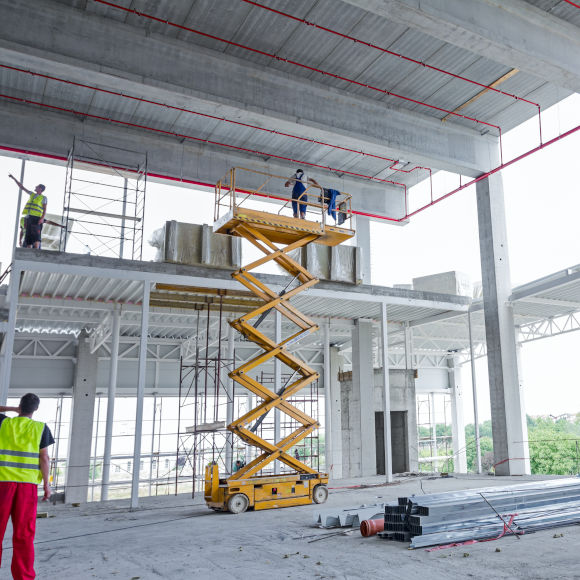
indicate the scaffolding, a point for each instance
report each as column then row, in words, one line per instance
column 434, row 438
column 104, row 200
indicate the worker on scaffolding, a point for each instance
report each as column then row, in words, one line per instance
column 33, row 214
column 299, row 196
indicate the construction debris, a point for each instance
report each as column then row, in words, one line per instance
column 349, row 517
column 454, row 518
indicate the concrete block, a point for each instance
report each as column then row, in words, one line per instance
column 197, row 245
column 455, row 283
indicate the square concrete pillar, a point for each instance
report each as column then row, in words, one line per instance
column 361, row 410
column 336, row 364
column 508, row 418
column 457, row 421
column 81, row 428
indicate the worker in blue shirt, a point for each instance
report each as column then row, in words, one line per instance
column 301, row 182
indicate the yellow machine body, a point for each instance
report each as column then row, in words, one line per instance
column 262, row 492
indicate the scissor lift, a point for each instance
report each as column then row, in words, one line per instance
column 245, row 489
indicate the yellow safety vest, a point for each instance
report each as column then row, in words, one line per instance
column 35, row 205
column 20, row 450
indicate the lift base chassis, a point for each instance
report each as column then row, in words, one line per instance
column 262, row 492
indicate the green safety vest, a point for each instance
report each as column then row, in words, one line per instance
column 35, row 205
column 20, row 450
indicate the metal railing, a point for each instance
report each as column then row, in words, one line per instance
column 241, row 187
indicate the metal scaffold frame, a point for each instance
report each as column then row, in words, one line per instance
column 104, row 209
column 204, row 398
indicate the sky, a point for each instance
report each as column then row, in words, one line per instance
column 542, row 202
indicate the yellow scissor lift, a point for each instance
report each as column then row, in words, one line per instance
column 276, row 236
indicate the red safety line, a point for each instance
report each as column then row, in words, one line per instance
column 387, row 51
column 201, row 140
column 573, row 3
column 293, row 62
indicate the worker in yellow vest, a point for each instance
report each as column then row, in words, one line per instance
column 33, row 214
column 24, row 463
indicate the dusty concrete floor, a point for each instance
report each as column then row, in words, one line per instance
column 171, row 537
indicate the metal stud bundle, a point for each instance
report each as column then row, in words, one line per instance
column 483, row 514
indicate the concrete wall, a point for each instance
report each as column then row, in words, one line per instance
column 402, row 389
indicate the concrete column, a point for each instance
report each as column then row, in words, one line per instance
column 8, row 343
column 141, row 375
column 336, row 364
column 457, row 421
column 116, row 325
column 81, row 428
column 361, row 409
column 363, row 241
column 475, row 402
column 277, row 381
column 386, row 394
column 511, row 456
column 327, row 400
column 230, row 403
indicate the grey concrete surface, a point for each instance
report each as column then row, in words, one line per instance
column 175, row 537
column 525, row 36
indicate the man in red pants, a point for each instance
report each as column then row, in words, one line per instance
column 24, row 463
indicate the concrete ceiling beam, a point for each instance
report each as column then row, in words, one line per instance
column 512, row 32
column 29, row 128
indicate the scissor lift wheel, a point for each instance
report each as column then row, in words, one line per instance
column 238, row 504
column 320, row 493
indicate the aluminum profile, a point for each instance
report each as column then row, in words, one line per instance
column 483, row 514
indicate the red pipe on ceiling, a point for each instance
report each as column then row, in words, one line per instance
column 573, row 3
column 295, row 63
column 361, row 213
column 387, row 51
column 206, row 115
column 199, row 139
column 495, row 170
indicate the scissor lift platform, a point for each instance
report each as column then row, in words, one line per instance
column 281, row 229
column 276, row 236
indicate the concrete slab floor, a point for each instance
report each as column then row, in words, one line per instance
column 173, row 537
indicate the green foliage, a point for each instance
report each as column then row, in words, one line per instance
column 554, row 444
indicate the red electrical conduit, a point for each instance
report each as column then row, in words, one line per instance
column 361, row 213
column 491, row 172
column 299, row 64
column 200, row 139
column 207, row 115
column 573, row 3
column 402, row 56
column 387, row 51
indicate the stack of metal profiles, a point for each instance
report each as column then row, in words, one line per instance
column 480, row 514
